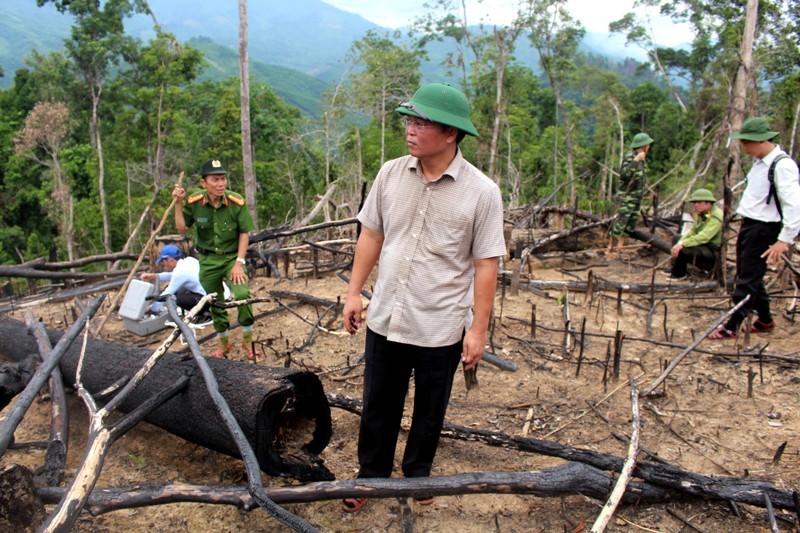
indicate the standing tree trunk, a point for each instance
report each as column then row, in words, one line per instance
column 247, row 145
column 736, row 115
column 96, row 87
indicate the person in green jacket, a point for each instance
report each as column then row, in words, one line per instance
column 222, row 223
column 632, row 181
column 700, row 245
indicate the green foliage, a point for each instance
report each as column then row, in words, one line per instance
column 167, row 107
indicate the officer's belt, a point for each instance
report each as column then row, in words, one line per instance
column 203, row 251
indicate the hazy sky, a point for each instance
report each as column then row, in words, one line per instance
column 594, row 14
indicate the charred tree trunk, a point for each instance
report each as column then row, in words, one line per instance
column 283, row 412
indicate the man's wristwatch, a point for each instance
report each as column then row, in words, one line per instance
column 241, row 260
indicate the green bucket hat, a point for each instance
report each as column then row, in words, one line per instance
column 211, row 167
column 641, row 139
column 754, row 129
column 702, row 195
column 439, row 102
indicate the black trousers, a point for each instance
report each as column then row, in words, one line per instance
column 754, row 239
column 186, row 300
column 703, row 257
column 388, row 370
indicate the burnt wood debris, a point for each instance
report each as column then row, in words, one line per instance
column 278, row 420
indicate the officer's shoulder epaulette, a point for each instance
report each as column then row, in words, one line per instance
column 194, row 198
column 236, row 198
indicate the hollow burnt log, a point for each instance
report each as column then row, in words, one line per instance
column 283, row 412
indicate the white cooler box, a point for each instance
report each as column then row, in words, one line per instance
column 134, row 306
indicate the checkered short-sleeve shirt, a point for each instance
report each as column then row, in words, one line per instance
column 433, row 232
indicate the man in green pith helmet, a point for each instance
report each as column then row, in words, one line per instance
column 700, row 245
column 770, row 211
column 222, row 223
column 632, row 180
column 436, row 224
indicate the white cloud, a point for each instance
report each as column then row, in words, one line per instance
column 595, row 15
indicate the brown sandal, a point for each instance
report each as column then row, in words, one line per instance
column 424, row 500
column 351, row 505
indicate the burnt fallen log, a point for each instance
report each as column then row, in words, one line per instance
column 664, row 476
column 283, row 412
column 557, row 481
column 62, row 294
column 653, row 240
column 32, row 273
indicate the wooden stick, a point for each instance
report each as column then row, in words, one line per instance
column 25, row 399
column 692, row 346
column 584, row 413
column 145, row 249
column 55, row 460
column 773, row 523
column 255, row 483
column 526, row 427
column 583, row 343
column 627, row 469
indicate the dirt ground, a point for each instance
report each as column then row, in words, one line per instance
column 704, row 423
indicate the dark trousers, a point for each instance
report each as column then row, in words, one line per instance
column 388, row 369
column 186, row 300
column 754, row 239
column 703, row 257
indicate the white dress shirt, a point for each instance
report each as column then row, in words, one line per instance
column 185, row 275
column 787, row 183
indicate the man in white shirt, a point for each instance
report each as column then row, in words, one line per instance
column 183, row 275
column 770, row 222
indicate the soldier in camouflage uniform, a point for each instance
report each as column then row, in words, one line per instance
column 632, row 179
column 222, row 223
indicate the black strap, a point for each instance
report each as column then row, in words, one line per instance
column 773, row 192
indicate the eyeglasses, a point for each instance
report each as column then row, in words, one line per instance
column 417, row 124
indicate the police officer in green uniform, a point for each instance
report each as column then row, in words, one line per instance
column 632, row 179
column 222, row 223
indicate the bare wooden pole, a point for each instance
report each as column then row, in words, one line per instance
column 102, row 433
column 145, row 249
column 692, row 346
column 255, row 484
column 58, row 444
column 14, row 416
column 627, row 468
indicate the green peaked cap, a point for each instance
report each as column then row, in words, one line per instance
column 442, row 103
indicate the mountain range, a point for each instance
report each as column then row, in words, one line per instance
column 295, row 47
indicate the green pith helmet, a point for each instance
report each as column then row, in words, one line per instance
column 754, row 129
column 641, row 139
column 439, row 102
column 702, row 195
column 211, row 167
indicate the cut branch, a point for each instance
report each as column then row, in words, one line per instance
column 674, row 363
column 10, row 422
column 627, row 469
column 255, row 485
